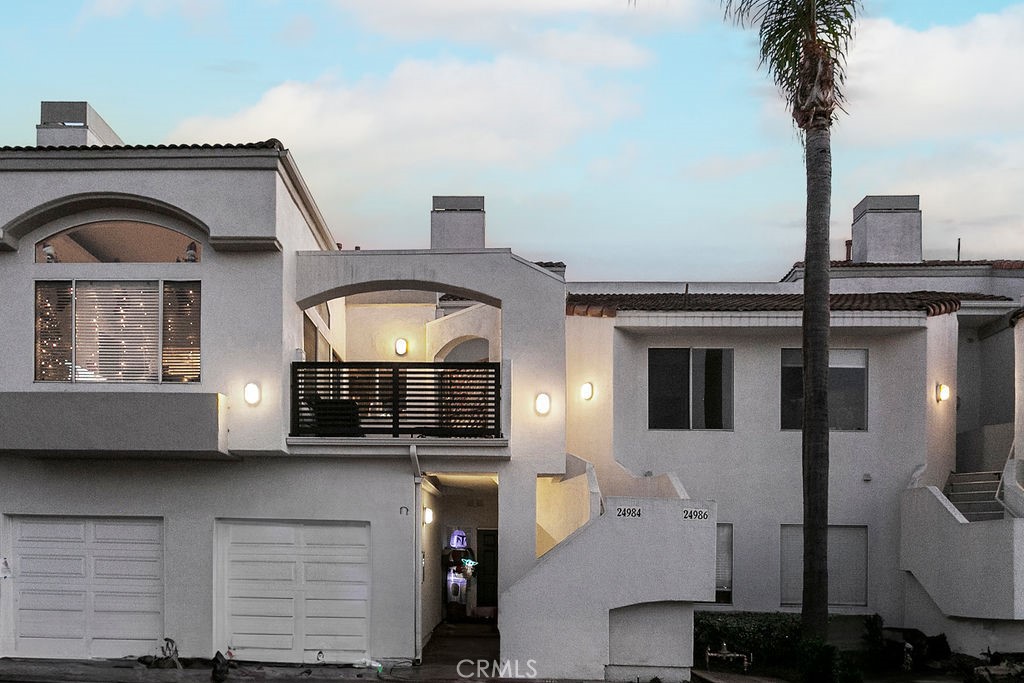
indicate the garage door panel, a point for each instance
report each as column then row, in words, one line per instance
column 260, row 570
column 263, row 535
column 335, row 626
column 333, row 535
column 281, row 626
column 127, row 625
column 335, row 608
column 261, row 641
column 335, row 572
column 129, row 533
column 114, row 570
column 295, row 588
column 50, row 531
column 261, row 606
column 127, row 568
column 51, row 566
column 51, row 600
column 150, row 603
column 51, row 624
column 354, row 645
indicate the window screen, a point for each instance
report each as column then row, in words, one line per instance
column 847, row 389
column 689, row 388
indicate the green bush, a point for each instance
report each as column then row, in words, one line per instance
column 771, row 637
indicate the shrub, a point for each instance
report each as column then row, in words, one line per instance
column 771, row 637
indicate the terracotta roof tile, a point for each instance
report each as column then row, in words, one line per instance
column 272, row 143
column 932, row 303
column 998, row 264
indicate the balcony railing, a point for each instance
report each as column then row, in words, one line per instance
column 396, row 399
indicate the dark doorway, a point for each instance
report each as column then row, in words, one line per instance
column 487, row 571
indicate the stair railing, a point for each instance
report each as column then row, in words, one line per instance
column 1011, row 495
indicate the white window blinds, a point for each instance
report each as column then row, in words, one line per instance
column 117, row 331
column 181, row 332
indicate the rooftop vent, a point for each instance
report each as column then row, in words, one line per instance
column 457, row 223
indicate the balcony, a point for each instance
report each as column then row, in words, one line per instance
column 361, row 399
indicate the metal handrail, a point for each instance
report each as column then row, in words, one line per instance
column 1000, row 491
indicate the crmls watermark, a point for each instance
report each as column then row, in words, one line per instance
column 487, row 668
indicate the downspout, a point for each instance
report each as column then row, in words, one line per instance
column 417, row 626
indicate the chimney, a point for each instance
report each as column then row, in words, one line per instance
column 887, row 229
column 457, row 223
column 72, row 124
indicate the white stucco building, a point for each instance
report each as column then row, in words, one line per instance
column 222, row 428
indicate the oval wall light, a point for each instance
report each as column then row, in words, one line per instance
column 428, row 515
column 251, row 393
column 587, row 391
column 542, row 404
column 401, row 346
column 941, row 393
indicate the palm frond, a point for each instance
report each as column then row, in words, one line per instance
column 792, row 32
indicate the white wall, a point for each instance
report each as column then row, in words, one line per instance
column 478, row 321
column 941, row 416
column 191, row 496
column 371, row 331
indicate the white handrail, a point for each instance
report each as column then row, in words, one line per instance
column 1015, row 505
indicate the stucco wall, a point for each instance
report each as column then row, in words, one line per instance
column 563, row 625
column 941, row 417
column 373, row 328
column 968, row 568
column 190, row 497
column 563, row 505
column 477, row 321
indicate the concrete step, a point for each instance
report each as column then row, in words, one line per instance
column 971, row 496
column 965, row 477
column 983, row 516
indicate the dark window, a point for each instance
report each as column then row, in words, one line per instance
column 723, row 564
column 847, row 389
column 689, row 388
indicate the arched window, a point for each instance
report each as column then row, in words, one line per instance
column 118, row 242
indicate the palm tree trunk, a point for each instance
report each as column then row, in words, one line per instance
column 818, row 163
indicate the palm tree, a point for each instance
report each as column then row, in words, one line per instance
column 803, row 47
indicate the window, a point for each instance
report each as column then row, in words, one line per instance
column 847, row 389
column 723, row 564
column 689, row 388
column 117, row 331
column 847, row 565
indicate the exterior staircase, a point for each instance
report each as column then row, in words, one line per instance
column 974, row 494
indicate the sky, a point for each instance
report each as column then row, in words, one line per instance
column 631, row 139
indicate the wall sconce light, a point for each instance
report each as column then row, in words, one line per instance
column 401, row 346
column 587, row 391
column 941, row 393
column 542, row 404
column 251, row 393
column 428, row 515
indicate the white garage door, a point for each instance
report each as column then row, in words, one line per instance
column 292, row 592
column 87, row 587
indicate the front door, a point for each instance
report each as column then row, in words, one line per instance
column 487, row 570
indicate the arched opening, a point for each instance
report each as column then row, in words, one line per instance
column 118, row 241
column 464, row 350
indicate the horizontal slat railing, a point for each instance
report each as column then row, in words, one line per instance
column 396, row 399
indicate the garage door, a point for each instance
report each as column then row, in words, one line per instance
column 293, row 592
column 87, row 587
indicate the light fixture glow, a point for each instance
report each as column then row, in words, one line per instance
column 941, row 392
column 587, row 391
column 401, row 346
column 542, row 404
column 251, row 393
column 428, row 515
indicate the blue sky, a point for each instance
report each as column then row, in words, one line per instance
column 632, row 142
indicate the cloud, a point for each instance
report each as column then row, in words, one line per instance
column 300, row 29
column 906, row 85
column 423, row 126
column 196, row 12
column 601, row 35
column 721, row 167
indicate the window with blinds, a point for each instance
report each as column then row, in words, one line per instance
column 117, row 331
